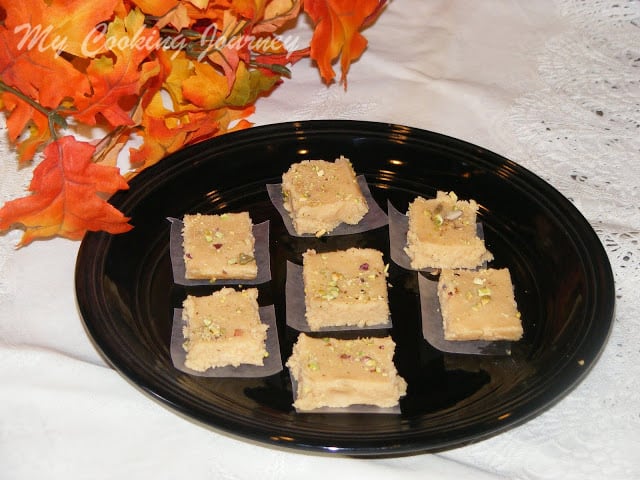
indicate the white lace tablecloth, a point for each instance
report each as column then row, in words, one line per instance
column 553, row 86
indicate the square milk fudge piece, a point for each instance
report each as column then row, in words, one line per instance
column 478, row 305
column 347, row 287
column 219, row 247
column 222, row 329
column 338, row 373
column 320, row 195
column 442, row 233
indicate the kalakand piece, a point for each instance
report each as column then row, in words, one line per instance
column 442, row 233
column 222, row 329
column 347, row 287
column 478, row 305
column 219, row 247
column 320, row 195
column 339, row 373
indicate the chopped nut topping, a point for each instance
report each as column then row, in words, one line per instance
column 453, row 215
column 243, row 259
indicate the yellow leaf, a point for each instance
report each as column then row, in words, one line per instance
column 206, row 87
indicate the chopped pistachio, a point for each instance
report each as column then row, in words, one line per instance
column 484, row 292
column 243, row 259
column 437, row 219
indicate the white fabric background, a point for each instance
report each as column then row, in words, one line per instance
column 552, row 85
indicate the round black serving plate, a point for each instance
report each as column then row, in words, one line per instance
column 563, row 286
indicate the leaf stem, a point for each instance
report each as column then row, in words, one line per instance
column 273, row 67
column 53, row 116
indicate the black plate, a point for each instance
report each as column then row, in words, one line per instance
column 563, row 281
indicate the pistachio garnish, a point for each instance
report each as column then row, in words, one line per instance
column 243, row 259
column 484, row 292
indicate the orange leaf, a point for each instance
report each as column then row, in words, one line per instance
column 249, row 9
column 25, row 122
column 276, row 14
column 117, row 84
column 46, row 78
column 337, row 32
column 53, row 25
column 66, row 197
column 156, row 8
column 206, row 87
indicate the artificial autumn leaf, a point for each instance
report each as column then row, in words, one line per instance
column 27, row 127
column 53, row 25
column 178, row 17
column 247, row 9
column 249, row 85
column 166, row 134
column 171, row 119
column 281, row 58
column 165, row 129
column 113, row 82
column 205, row 87
column 157, row 8
column 201, row 4
column 276, row 14
column 66, row 195
column 231, row 47
column 337, row 32
column 30, row 72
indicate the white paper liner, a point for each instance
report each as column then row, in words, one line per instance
column 398, row 228
column 272, row 363
column 433, row 331
column 176, row 251
column 296, row 308
column 359, row 408
column 374, row 218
